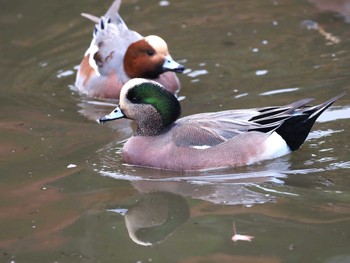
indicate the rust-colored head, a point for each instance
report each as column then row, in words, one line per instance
column 148, row 58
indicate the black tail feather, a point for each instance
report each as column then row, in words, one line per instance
column 269, row 112
column 295, row 129
column 273, row 117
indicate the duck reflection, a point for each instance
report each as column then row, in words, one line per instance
column 154, row 216
column 341, row 7
column 160, row 207
column 216, row 193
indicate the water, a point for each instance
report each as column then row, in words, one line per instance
column 65, row 194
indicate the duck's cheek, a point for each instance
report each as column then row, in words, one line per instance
column 132, row 64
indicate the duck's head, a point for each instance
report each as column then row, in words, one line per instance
column 149, row 104
column 148, row 58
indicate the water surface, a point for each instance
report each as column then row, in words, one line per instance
column 65, row 194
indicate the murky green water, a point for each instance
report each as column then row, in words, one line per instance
column 64, row 187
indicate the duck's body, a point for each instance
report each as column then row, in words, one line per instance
column 163, row 152
column 208, row 140
column 117, row 54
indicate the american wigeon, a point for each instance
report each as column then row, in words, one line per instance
column 208, row 140
column 154, row 216
column 117, row 54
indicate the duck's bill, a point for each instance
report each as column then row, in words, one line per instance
column 115, row 114
column 172, row 65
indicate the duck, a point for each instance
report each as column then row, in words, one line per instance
column 117, row 54
column 210, row 140
column 154, row 217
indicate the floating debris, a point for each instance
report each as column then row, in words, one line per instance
column 261, row 72
column 237, row 237
column 312, row 25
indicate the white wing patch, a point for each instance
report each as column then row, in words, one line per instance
column 200, row 147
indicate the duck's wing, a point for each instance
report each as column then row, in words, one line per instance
column 209, row 129
column 111, row 38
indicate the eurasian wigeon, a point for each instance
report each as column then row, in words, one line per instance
column 208, row 140
column 117, row 54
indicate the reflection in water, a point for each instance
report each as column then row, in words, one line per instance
column 341, row 7
column 53, row 214
column 154, row 217
column 161, row 207
column 94, row 109
column 335, row 113
column 216, row 193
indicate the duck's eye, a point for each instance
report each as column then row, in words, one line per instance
column 150, row 52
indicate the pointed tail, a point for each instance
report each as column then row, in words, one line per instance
column 112, row 12
column 295, row 130
column 113, row 9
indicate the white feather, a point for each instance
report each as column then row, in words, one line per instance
column 200, row 147
column 275, row 146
